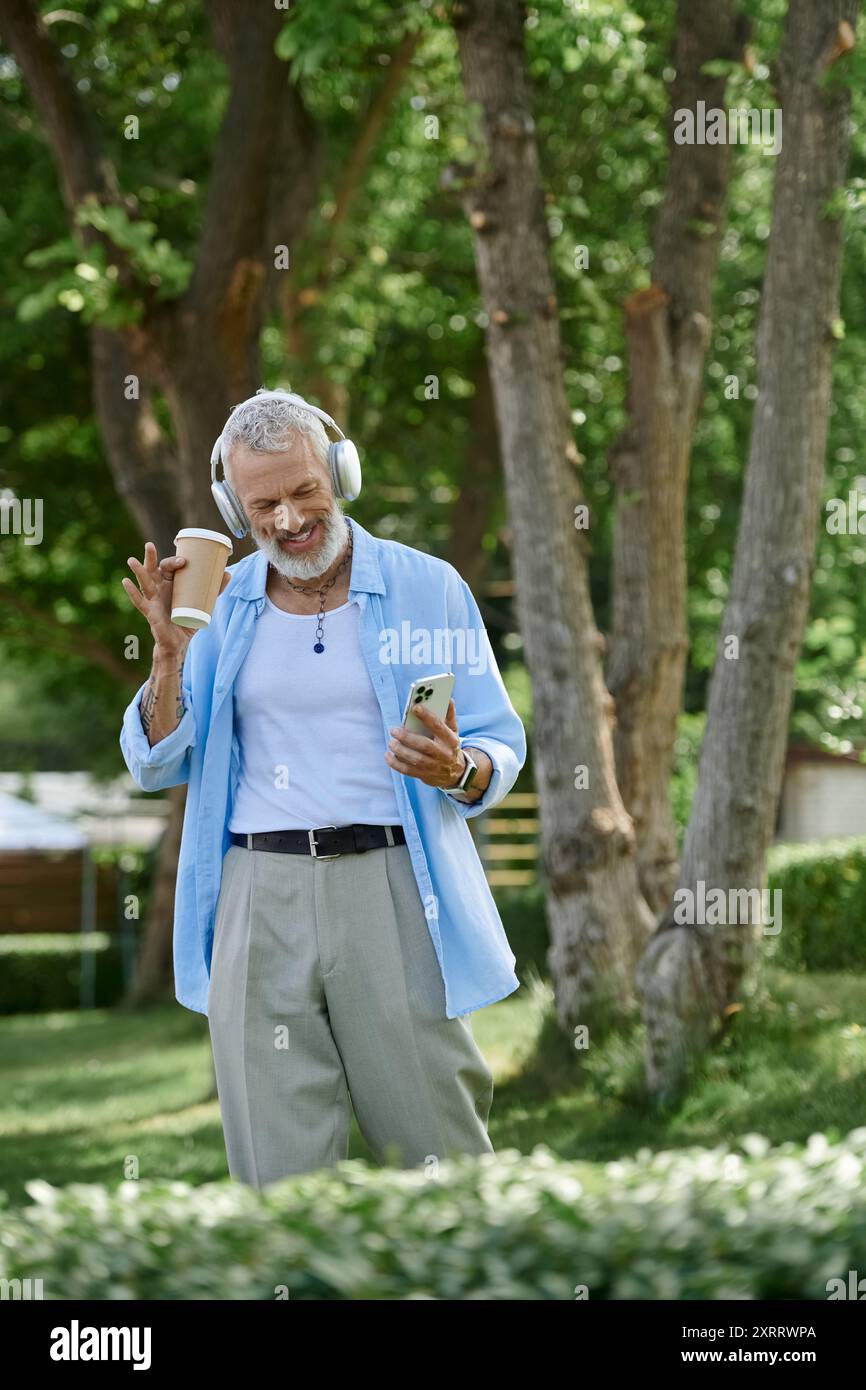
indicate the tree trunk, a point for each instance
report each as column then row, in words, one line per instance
column 693, row 973
column 598, row 919
column 154, row 974
column 470, row 515
column 668, row 331
column 201, row 350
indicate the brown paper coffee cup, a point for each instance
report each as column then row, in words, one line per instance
column 196, row 586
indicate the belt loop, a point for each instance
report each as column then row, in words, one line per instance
column 249, row 840
column 389, row 835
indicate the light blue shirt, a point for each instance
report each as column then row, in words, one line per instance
column 418, row 616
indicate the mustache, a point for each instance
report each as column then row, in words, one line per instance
column 283, row 531
column 293, row 535
column 332, row 527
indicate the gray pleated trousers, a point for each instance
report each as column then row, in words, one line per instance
column 325, row 993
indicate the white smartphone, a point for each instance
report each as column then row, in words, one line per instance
column 434, row 692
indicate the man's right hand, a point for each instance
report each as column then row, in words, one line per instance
column 153, row 599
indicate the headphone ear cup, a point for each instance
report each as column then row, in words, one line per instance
column 230, row 509
column 345, row 469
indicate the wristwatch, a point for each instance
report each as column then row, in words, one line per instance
column 469, row 773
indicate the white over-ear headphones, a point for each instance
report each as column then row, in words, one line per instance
column 343, row 462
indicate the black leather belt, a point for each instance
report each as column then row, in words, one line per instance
column 325, row 842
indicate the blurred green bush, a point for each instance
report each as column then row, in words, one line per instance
column 741, row 1222
column 823, row 902
column 43, row 972
column 523, row 917
column 823, row 905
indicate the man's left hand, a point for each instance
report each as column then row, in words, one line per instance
column 437, row 761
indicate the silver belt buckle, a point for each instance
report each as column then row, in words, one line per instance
column 312, row 834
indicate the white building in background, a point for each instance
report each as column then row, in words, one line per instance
column 109, row 813
column 24, row 827
column 823, row 797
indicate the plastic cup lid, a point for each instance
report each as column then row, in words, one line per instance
column 204, row 534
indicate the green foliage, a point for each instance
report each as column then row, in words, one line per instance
column 525, row 921
column 87, row 286
column 154, row 258
column 722, row 67
column 701, row 228
column 95, row 1089
column 90, row 285
column 39, row 973
column 313, row 34
column 741, row 1222
column 823, row 890
column 401, row 303
column 684, row 782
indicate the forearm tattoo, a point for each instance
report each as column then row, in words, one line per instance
column 148, row 701
column 162, row 687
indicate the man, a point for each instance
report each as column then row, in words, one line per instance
column 337, row 967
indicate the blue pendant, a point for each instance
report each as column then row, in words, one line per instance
column 318, row 647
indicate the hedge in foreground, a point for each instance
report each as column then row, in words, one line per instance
column 745, row 1222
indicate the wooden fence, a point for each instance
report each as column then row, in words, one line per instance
column 43, row 893
column 507, row 840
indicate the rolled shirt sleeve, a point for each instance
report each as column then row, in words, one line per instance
column 166, row 764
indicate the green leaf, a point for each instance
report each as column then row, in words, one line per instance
column 720, row 67
column 286, row 45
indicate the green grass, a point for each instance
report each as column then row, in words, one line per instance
column 793, row 1064
column 84, row 1094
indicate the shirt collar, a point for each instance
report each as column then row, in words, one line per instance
column 250, row 574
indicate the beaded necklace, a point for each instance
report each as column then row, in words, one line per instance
column 318, row 645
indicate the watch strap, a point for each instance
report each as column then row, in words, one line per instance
column 469, row 772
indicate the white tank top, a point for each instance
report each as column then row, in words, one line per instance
column 309, row 727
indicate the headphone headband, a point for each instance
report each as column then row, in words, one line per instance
column 326, row 419
column 343, row 462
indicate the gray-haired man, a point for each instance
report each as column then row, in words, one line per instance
column 332, row 917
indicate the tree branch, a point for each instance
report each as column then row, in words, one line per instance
column 240, row 180
column 843, row 41
column 143, row 462
column 81, row 167
column 351, row 178
column 353, row 170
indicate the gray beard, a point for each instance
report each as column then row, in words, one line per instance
column 304, row 567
